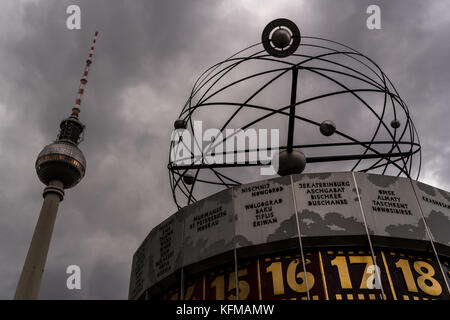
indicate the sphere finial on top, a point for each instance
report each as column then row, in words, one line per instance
column 281, row 38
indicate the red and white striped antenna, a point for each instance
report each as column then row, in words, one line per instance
column 83, row 80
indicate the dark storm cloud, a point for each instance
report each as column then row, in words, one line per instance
column 147, row 57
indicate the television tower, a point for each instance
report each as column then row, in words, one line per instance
column 60, row 165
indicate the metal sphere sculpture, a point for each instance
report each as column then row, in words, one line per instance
column 291, row 162
column 331, row 103
column 327, row 128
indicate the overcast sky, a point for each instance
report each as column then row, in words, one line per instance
column 147, row 57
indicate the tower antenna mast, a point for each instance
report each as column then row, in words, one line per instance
column 83, row 80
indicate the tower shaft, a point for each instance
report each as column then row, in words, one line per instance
column 30, row 279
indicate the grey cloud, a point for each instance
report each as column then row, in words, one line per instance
column 147, row 57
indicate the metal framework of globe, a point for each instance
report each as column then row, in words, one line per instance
column 392, row 147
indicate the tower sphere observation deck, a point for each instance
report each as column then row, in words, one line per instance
column 62, row 161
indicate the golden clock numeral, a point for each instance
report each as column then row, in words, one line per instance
column 277, row 277
column 403, row 264
column 340, row 263
column 435, row 288
column 219, row 284
column 292, row 277
column 244, row 286
column 369, row 262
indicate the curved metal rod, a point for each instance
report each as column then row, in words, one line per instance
column 381, row 83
